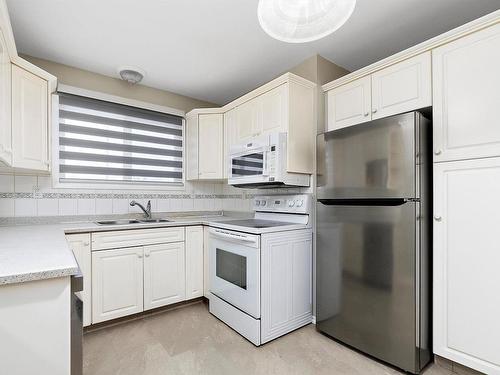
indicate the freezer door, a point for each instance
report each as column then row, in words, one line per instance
column 366, row 279
column 371, row 160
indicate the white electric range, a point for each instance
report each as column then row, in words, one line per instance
column 260, row 269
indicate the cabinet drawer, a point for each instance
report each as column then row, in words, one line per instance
column 136, row 237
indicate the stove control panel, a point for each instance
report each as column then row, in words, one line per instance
column 297, row 203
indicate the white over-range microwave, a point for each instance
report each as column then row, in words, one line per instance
column 261, row 162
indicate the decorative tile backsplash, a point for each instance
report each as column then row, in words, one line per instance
column 29, row 196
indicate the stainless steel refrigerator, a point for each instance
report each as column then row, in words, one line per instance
column 373, row 238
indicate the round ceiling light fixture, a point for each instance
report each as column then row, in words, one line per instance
column 301, row 21
column 131, row 74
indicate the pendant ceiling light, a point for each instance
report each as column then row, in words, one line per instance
column 300, row 21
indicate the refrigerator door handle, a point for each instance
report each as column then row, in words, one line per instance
column 367, row 202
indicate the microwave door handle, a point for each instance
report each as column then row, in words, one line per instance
column 265, row 167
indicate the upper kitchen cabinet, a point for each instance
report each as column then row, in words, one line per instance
column 264, row 114
column 5, row 104
column 230, row 136
column 24, row 107
column 402, row 87
column 30, row 133
column 349, row 104
column 466, row 81
column 398, row 88
column 205, row 145
column 286, row 104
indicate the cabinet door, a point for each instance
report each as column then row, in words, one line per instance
column 466, row 97
column 191, row 169
column 194, row 262
column 164, row 274
column 29, row 120
column 349, row 104
column 230, row 136
column 274, row 105
column 249, row 119
column 80, row 245
column 467, row 262
column 286, row 272
column 5, row 104
column 402, row 87
column 210, row 146
column 117, row 283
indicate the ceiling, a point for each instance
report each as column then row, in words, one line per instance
column 214, row 50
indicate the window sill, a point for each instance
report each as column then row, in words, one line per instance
column 110, row 186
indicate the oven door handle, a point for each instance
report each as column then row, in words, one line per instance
column 218, row 233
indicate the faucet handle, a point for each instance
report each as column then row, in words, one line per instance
column 132, row 203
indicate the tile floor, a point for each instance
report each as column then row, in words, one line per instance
column 189, row 340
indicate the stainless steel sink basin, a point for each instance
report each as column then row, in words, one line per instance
column 131, row 221
column 118, row 222
column 154, row 221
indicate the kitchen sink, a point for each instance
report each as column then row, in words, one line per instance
column 131, row 221
column 154, row 221
column 118, row 222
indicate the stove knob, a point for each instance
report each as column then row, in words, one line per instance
column 263, row 203
column 300, row 203
column 291, row 203
column 257, row 203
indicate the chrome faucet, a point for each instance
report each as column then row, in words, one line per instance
column 147, row 210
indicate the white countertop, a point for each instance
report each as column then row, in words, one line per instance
column 36, row 252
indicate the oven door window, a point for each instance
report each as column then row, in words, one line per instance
column 231, row 267
column 251, row 164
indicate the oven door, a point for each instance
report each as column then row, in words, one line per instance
column 234, row 269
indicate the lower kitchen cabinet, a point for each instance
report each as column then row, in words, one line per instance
column 164, row 274
column 80, row 245
column 194, row 262
column 286, row 269
column 117, row 283
column 467, row 263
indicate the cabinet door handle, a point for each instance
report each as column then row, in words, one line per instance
column 367, row 113
column 437, row 218
column 374, row 110
column 86, row 243
column 139, row 256
column 147, row 255
column 437, row 152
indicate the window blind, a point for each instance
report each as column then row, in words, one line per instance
column 103, row 141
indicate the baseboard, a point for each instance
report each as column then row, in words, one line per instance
column 144, row 314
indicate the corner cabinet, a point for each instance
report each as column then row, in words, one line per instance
column 466, row 263
column 402, row 87
column 466, row 81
